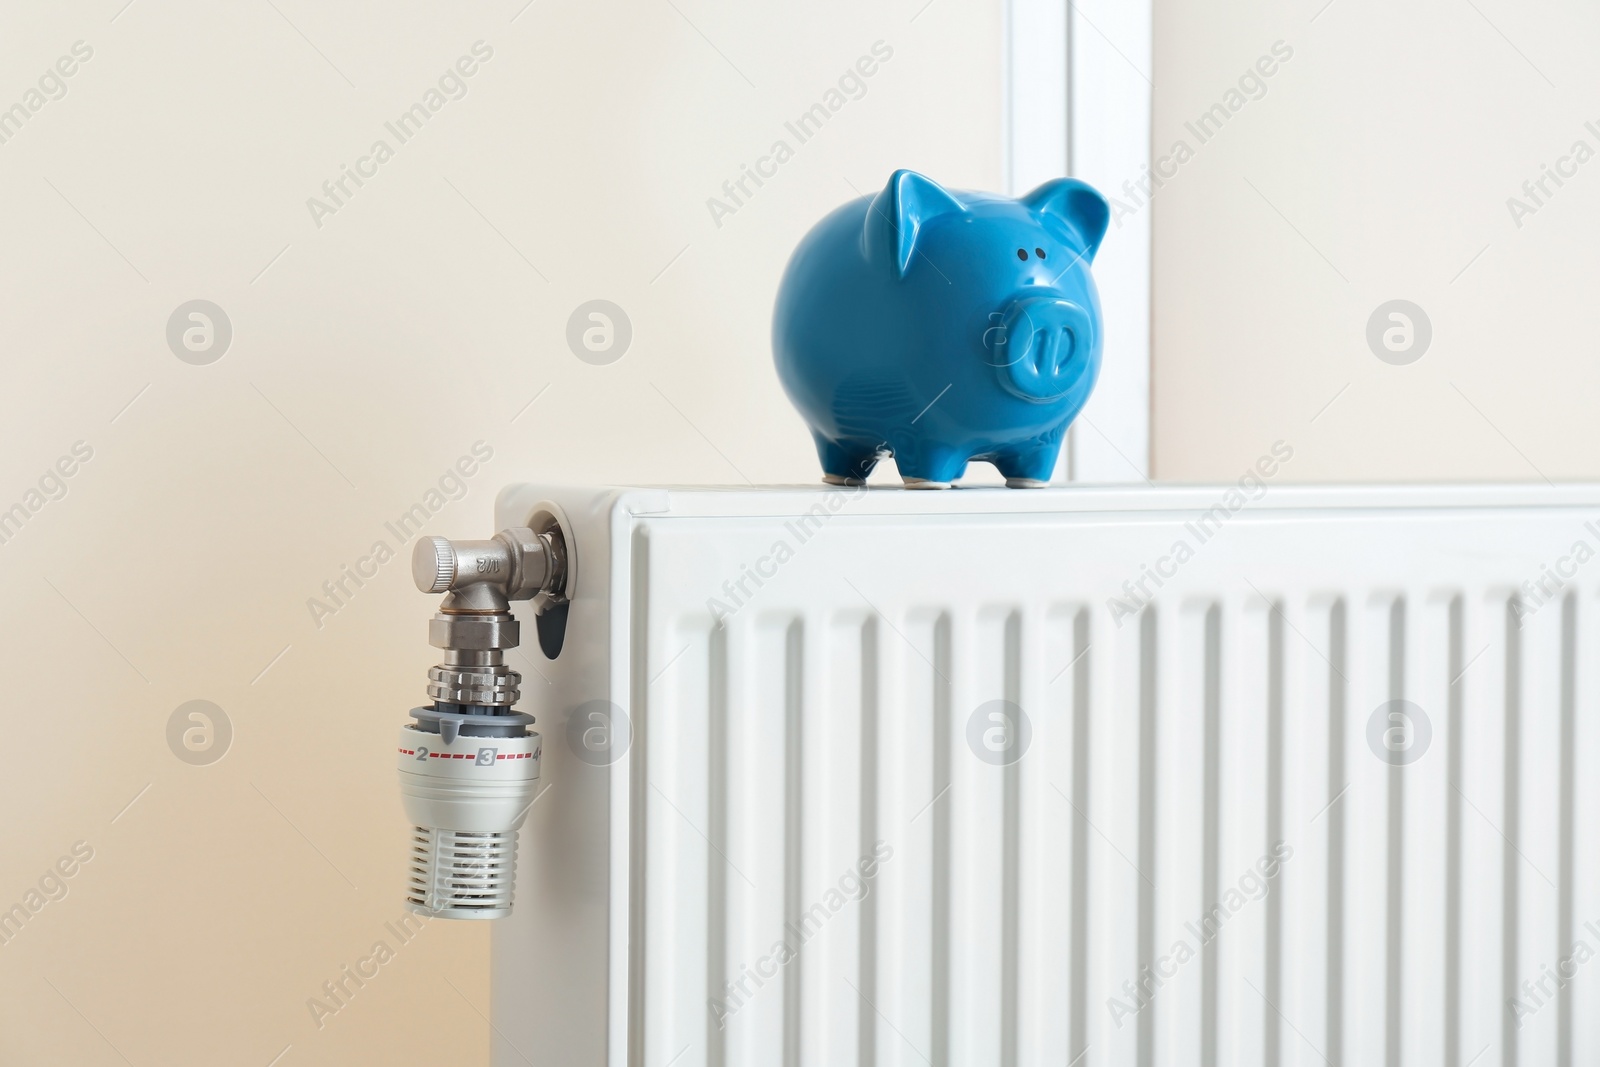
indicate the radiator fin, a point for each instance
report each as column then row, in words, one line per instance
column 1214, row 850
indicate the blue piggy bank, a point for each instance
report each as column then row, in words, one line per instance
column 941, row 327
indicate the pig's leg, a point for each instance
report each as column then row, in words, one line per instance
column 846, row 462
column 929, row 466
column 1030, row 466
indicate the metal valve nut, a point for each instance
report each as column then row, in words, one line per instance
column 531, row 562
column 477, row 632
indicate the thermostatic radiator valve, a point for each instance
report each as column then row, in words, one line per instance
column 468, row 763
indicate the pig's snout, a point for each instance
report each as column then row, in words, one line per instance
column 1040, row 346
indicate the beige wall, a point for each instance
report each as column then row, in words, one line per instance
column 370, row 354
column 1377, row 166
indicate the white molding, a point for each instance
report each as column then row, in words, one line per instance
column 1036, row 93
column 1077, row 100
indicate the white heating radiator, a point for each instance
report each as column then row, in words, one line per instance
column 1007, row 777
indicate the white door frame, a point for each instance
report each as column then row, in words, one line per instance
column 1077, row 99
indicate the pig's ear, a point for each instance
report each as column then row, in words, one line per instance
column 1076, row 203
column 895, row 216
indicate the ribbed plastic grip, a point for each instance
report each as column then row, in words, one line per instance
column 462, row 874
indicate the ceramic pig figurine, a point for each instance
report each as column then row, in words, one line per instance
column 941, row 327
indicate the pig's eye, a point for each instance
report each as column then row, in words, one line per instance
column 1022, row 253
column 1039, row 252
